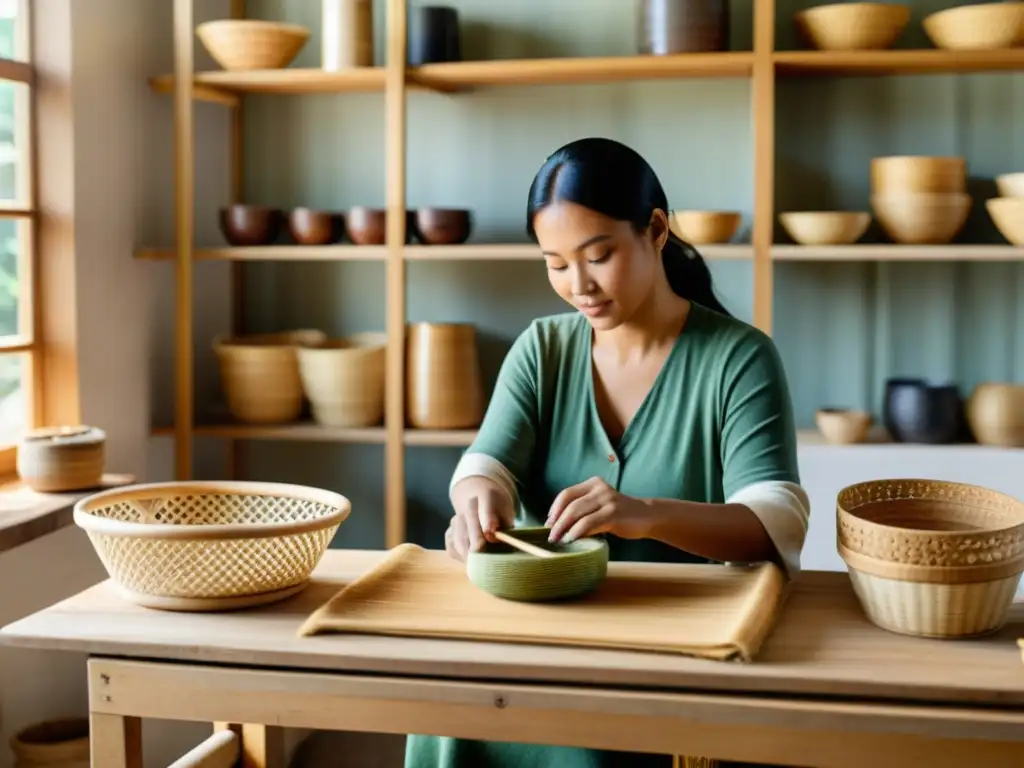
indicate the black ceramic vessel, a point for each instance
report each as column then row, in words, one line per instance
column 918, row 411
column 434, row 35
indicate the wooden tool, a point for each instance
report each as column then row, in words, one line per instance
column 523, row 546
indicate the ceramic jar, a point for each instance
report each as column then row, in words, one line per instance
column 434, row 35
column 682, row 26
column 918, row 411
column 995, row 413
column 347, row 34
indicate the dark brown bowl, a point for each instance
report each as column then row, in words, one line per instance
column 443, row 226
column 367, row 226
column 309, row 227
column 244, row 225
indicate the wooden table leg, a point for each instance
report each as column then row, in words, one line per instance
column 262, row 745
column 115, row 741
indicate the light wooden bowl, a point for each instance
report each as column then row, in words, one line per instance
column 931, row 558
column 705, row 227
column 56, row 459
column 842, row 426
column 1010, row 185
column 825, row 227
column 578, row 569
column 260, row 375
column 918, row 173
column 852, row 26
column 244, row 44
column 1008, row 215
column 982, row 27
column 209, row 546
column 922, row 218
column 995, row 413
column 344, row 380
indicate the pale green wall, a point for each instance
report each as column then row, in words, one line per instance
column 841, row 328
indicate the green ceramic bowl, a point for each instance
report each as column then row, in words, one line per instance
column 508, row 573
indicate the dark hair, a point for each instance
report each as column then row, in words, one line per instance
column 614, row 180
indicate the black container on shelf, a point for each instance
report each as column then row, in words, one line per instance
column 683, row 26
column 433, row 35
column 919, row 411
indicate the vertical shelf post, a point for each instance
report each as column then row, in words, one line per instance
column 184, row 170
column 395, row 127
column 763, row 110
column 236, row 448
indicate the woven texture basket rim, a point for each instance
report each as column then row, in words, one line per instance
column 93, row 523
column 873, row 525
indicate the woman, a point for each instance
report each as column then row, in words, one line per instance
column 647, row 414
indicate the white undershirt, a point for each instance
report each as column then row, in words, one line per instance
column 783, row 508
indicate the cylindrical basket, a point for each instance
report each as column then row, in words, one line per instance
column 209, row 545
column 444, row 389
column 344, row 380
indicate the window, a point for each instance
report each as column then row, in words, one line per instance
column 20, row 355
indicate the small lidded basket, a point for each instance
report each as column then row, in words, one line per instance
column 209, row 546
column 932, row 558
column 59, row 459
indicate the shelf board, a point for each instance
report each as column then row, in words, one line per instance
column 878, row 440
column 891, row 252
column 274, row 253
column 897, row 62
column 458, row 75
column 530, row 252
column 315, row 433
column 225, row 86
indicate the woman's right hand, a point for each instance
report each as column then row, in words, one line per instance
column 481, row 508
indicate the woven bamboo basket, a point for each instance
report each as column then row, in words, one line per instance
column 52, row 744
column 922, row 218
column 344, row 380
column 825, row 227
column 445, row 390
column 705, row 227
column 207, row 545
column 977, row 27
column 852, row 26
column 260, row 375
column 56, row 459
column 842, row 426
column 930, row 558
column 243, row 44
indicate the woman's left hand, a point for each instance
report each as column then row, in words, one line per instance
column 593, row 507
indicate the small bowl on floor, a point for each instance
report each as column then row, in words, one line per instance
column 578, row 568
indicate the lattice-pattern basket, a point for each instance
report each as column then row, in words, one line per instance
column 208, row 545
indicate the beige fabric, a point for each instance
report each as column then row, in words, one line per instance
column 783, row 508
column 712, row 611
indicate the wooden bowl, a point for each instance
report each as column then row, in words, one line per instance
column 249, row 225
column 1008, row 215
column 825, row 227
column 982, row 27
column 705, row 227
column 309, row 227
column 843, row 426
column 367, row 226
column 995, row 413
column 443, row 226
column 505, row 572
column 852, row 26
column 918, row 173
column 921, row 218
column 931, row 558
column 242, row 44
column 1010, row 185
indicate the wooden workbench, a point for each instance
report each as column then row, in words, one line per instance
column 828, row 690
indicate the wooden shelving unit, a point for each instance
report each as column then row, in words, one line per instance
column 762, row 65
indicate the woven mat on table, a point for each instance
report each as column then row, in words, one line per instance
column 711, row 611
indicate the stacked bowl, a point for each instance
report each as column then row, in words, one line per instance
column 1007, row 210
column 932, row 558
column 920, row 200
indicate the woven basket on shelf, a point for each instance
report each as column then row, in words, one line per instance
column 851, row 26
column 932, row 558
column 243, row 44
column 207, row 545
column 344, row 380
column 260, row 375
